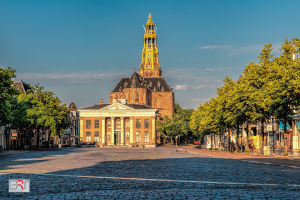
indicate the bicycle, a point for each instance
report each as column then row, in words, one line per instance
column 2, row 148
column 259, row 151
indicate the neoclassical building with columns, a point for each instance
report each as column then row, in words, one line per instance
column 118, row 124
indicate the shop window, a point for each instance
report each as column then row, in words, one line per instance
column 88, row 137
column 146, row 123
column 138, row 136
column 127, row 123
column 96, row 123
column 96, row 136
column 146, row 136
column 138, row 123
column 88, row 123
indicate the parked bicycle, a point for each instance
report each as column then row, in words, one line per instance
column 2, row 148
column 259, row 151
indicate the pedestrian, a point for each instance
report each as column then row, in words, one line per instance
column 232, row 146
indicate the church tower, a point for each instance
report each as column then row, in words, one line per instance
column 148, row 87
column 150, row 60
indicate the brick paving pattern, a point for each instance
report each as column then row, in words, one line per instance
column 137, row 173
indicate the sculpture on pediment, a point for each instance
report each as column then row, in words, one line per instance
column 127, row 136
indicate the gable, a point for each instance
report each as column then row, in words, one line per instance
column 117, row 106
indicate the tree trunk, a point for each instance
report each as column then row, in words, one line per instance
column 262, row 137
column 211, row 143
column 237, row 135
column 30, row 138
column 49, row 137
column 285, row 139
column 228, row 141
column 247, row 139
column 38, row 139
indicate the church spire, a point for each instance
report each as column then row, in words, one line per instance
column 150, row 61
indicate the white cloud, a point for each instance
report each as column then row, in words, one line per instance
column 214, row 47
column 232, row 50
column 180, row 87
column 209, row 70
column 81, row 78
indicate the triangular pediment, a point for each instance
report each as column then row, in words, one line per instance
column 117, row 106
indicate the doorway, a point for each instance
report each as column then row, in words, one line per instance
column 117, row 137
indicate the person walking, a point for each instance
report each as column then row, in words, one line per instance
column 232, row 146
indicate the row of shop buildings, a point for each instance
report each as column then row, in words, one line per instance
column 273, row 131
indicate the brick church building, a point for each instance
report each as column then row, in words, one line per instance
column 147, row 87
column 134, row 105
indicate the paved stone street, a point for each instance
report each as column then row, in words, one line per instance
column 136, row 173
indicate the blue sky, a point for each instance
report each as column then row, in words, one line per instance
column 81, row 49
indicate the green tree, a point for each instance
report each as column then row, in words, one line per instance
column 8, row 94
column 284, row 85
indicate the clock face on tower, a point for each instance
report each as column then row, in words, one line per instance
column 149, row 55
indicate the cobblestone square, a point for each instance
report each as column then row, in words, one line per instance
column 137, row 173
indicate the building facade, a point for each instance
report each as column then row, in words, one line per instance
column 118, row 124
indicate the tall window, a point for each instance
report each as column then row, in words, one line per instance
column 146, row 136
column 88, row 137
column 88, row 123
column 138, row 97
column 127, row 124
column 96, row 123
column 96, row 136
column 144, row 98
column 138, row 123
column 138, row 136
column 109, row 124
column 146, row 123
column 127, row 97
column 132, row 97
column 118, row 124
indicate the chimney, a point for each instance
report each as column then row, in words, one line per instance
column 101, row 101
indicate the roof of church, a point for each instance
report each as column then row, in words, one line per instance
column 22, row 86
column 134, row 106
column 72, row 107
column 136, row 81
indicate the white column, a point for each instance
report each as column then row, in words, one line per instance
column 122, row 130
column 112, row 130
column 81, row 130
column 103, row 131
column 153, row 130
column 131, row 130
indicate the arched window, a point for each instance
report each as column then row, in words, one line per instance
column 149, row 40
column 138, row 97
column 132, row 97
column 153, row 40
column 144, row 98
column 145, row 40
